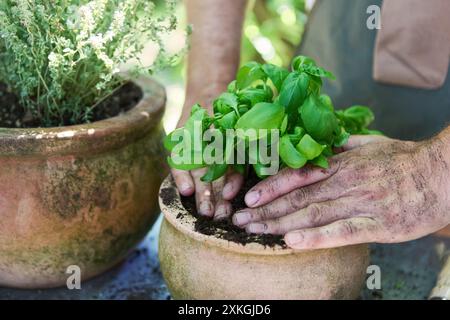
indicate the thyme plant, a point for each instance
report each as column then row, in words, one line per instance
column 62, row 57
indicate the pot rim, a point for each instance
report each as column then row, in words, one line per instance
column 105, row 134
column 186, row 226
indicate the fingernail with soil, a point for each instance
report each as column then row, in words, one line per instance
column 206, row 208
column 256, row 228
column 185, row 188
column 227, row 189
column 221, row 213
column 241, row 218
column 252, row 197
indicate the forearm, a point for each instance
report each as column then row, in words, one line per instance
column 215, row 48
column 438, row 158
column 444, row 136
column 439, row 149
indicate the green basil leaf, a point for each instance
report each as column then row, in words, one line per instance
column 252, row 96
column 184, row 166
column 169, row 143
column 372, row 132
column 263, row 115
column 242, row 110
column 196, row 107
column 342, row 138
column 215, row 171
column 318, row 120
column 225, row 103
column 326, row 101
column 297, row 135
column 232, row 87
column 248, row 74
column 315, row 85
column 321, row 161
column 293, row 94
column 328, row 151
column 317, row 71
column 239, row 168
column 227, row 121
column 259, row 170
column 200, row 115
column 284, row 125
column 276, row 74
column 357, row 118
column 300, row 61
column 309, row 147
column 290, row 155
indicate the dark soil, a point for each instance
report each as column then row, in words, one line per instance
column 13, row 115
column 224, row 229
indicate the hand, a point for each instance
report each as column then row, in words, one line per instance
column 383, row 191
column 212, row 199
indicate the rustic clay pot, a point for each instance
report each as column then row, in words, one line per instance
column 81, row 195
column 196, row 266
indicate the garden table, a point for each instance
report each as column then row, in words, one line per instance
column 408, row 271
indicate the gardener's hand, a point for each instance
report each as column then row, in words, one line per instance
column 383, row 191
column 212, row 199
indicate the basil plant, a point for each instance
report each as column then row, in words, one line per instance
column 271, row 98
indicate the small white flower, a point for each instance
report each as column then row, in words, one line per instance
column 96, row 41
column 53, row 59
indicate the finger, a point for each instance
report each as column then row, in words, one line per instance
column 292, row 202
column 285, row 181
column 337, row 234
column 183, row 181
column 203, row 194
column 234, row 182
column 360, row 140
column 315, row 215
column 222, row 208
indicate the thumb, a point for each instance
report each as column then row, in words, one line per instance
column 360, row 140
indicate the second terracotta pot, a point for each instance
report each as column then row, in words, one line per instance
column 196, row 266
column 79, row 196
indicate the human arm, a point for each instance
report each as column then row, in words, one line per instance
column 212, row 64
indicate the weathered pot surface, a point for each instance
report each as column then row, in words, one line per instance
column 82, row 195
column 197, row 266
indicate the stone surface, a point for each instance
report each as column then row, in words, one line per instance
column 409, row 271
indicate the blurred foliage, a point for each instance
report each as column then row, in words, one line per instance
column 272, row 30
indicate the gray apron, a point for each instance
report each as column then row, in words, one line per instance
column 337, row 38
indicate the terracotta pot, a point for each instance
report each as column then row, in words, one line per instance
column 81, row 195
column 196, row 266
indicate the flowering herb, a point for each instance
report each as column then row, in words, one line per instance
column 62, row 57
column 272, row 98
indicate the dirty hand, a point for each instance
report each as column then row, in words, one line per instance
column 377, row 190
column 212, row 199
